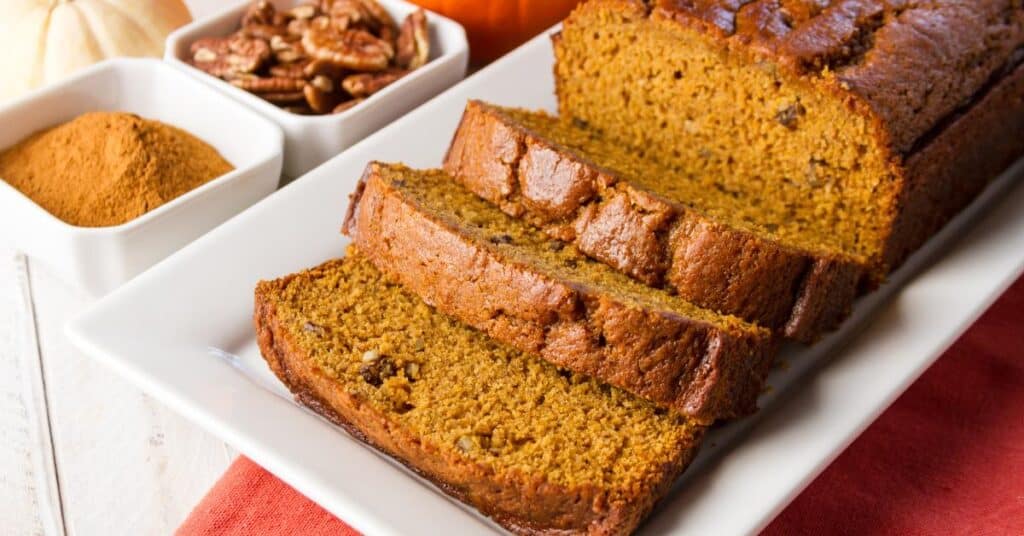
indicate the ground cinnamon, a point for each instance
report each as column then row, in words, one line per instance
column 107, row 168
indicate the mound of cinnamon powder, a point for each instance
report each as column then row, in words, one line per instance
column 107, row 168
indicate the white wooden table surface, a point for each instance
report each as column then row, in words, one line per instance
column 82, row 451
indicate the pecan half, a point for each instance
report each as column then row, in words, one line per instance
column 363, row 14
column 323, row 68
column 263, row 31
column 352, row 49
column 248, row 54
column 229, row 56
column 290, row 70
column 324, row 84
column 346, row 105
column 413, row 42
column 347, row 14
column 283, row 98
column 276, row 84
column 378, row 14
column 287, row 50
column 366, row 84
column 322, row 97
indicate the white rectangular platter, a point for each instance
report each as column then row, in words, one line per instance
column 183, row 332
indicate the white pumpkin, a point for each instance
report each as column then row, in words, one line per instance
column 42, row 41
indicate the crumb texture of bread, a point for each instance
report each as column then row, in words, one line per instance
column 815, row 108
column 715, row 248
column 541, row 450
column 466, row 257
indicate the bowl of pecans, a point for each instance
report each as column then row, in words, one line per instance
column 329, row 72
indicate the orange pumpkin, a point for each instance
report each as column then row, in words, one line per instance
column 496, row 26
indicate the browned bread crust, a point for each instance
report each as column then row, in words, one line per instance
column 702, row 370
column 955, row 164
column 523, row 504
column 649, row 237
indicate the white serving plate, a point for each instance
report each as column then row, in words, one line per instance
column 98, row 259
column 312, row 140
column 183, row 332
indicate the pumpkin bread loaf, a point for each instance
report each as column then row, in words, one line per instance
column 875, row 121
column 714, row 247
column 500, row 275
column 540, row 450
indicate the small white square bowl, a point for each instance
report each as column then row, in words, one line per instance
column 312, row 140
column 99, row 259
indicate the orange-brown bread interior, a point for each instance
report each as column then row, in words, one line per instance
column 810, row 108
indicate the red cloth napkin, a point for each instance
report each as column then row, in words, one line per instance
column 248, row 500
column 947, row 457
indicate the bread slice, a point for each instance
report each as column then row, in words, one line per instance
column 498, row 274
column 540, row 450
column 713, row 247
column 874, row 121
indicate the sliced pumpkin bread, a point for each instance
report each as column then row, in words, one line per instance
column 713, row 246
column 540, row 450
column 466, row 257
column 874, row 120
